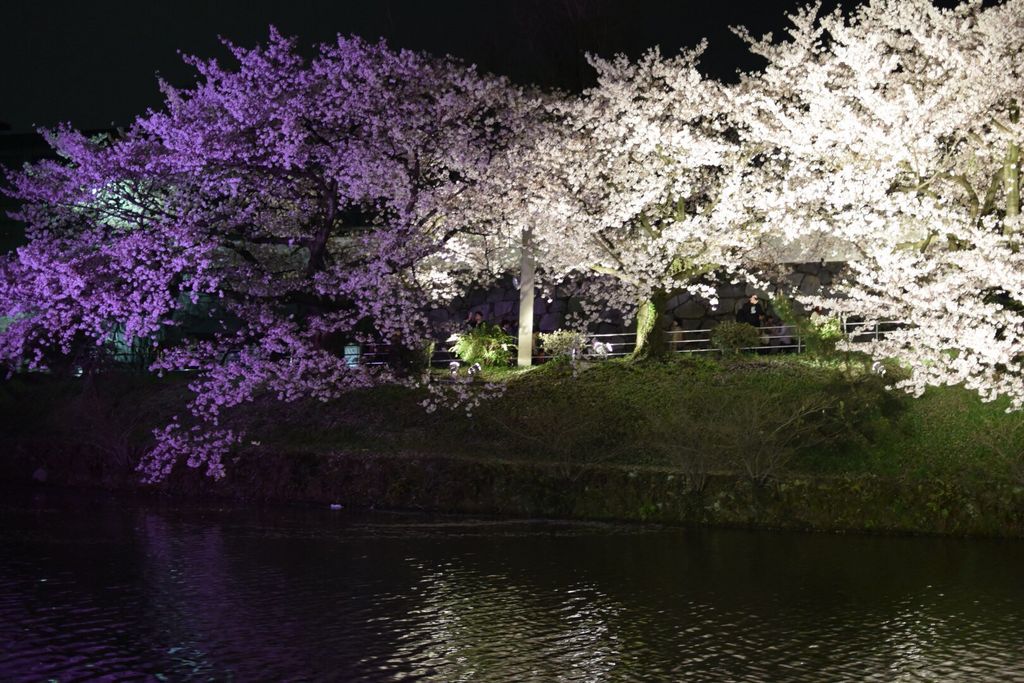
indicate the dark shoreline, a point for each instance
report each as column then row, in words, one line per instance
column 436, row 484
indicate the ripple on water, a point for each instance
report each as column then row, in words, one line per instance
column 91, row 590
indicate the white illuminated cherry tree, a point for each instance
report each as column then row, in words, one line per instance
column 642, row 180
column 899, row 133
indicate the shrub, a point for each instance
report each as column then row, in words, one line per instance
column 732, row 337
column 822, row 332
column 485, row 344
column 563, row 343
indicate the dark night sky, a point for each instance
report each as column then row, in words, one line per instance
column 94, row 63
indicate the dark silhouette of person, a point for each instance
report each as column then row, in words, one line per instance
column 751, row 312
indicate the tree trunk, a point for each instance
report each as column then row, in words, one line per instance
column 650, row 336
column 1011, row 170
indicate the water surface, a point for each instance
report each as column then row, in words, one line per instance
column 93, row 587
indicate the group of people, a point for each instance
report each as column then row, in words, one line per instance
column 477, row 318
column 775, row 334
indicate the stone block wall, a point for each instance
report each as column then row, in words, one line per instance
column 694, row 313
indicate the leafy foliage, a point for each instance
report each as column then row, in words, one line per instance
column 563, row 342
column 486, row 344
column 732, row 337
column 821, row 333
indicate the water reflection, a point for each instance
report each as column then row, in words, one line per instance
column 91, row 588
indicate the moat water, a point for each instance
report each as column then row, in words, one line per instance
column 94, row 588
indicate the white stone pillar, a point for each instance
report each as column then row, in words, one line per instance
column 527, row 268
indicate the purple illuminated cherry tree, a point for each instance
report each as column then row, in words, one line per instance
column 295, row 204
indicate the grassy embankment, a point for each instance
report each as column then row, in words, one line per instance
column 776, row 441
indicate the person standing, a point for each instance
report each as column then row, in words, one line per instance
column 751, row 312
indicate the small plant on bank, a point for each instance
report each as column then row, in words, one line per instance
column 563, row 343
column 823, row 332
column 820, row 333
column 486, row 344
column 733, row 337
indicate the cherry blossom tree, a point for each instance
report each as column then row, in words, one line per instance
column 293, row 203
column 642, row 180
column 899, row 129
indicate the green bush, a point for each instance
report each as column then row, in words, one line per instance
column 819, row 333
column 562, row 342
column 485, row 344
column 732, row 337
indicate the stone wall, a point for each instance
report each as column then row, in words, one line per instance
column 501, row 302
column 694, row 313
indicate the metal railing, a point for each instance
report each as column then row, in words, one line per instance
column 774, row 339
